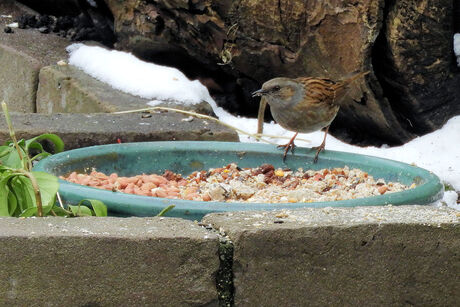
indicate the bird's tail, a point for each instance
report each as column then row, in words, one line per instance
column 347, row 81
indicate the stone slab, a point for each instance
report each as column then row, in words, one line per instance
column 81, row 130
column 11, row 10
column 22, row 55
column 66, row 89
column 365, row 256
column 107, row 262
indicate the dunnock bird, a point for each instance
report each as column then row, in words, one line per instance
column 303, row 104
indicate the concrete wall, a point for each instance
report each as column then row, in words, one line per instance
column 106, row 262
column 375, row 256
column 32, row 81
column 372, row 256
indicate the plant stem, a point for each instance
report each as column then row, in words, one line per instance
column 202, row 116
column 163, row 212
column 257, row 136
column 260, row 115
column 13, row 134
column 36, row 188
column 59, row 200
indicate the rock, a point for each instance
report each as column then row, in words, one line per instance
column 44, row 30
column 80, row 20
column 108, row 262
column 414, row 62
column 362, row 256
column 22, row 55
column 250, row 42
column 45, row 21
column 27, row 20
column 66, row 89
column 82, row 130
column 217, row 192
column 63, row 23
column 258, row 40
column 234, row 46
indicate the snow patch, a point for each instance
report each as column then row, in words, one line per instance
column 124, row 72
column 457, row 47
column 449, row 200
column 438, row 151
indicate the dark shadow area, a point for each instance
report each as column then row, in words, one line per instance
column 77, row 20
column 54, row 7
column 386, row 76
column 456, row 19
column 422, row 95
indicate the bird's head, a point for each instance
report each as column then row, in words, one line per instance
column 280, row 92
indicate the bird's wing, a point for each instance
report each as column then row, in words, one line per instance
column 322, row 90
column 319, row 90
column 342, row 87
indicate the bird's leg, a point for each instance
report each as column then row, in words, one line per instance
column 321, row 147
column 290, row 145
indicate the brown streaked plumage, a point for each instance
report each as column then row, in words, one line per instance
column 303, row 104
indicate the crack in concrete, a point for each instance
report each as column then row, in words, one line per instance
column 224, row 277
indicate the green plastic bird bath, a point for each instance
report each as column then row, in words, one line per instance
column 185, row 157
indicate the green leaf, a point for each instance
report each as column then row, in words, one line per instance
column 48, row 185
column 21, row 143
column 4, row 170
column 8, row 194
column 60, row 211
column 12, row 204
column 22, row 187
column 98, row 206
column 12, row 159
column 53, row 138
column 24, row 191
column 163, row 212
column 4, row 191
column 19, row 207
column 17, row 194
column 80, row 210
column 4, row 150
column 40, row 156
column 36, row 146
column 46, row 209
column 29, row 212
column 22, row 197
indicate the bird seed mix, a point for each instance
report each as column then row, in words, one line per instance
column 253, row 185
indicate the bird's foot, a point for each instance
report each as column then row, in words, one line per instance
column 289, row 146
column 318, row 149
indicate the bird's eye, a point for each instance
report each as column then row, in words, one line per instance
column 276, row 88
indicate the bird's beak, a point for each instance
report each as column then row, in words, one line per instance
column 260, row 92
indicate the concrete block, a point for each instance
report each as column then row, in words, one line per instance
column 365, row 256
column 66, row 89
column 22, row 55
column 107, row 262
column 80, row 130
column 18, row 79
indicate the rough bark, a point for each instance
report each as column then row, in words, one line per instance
column 415, row 64
column 253, row 41
column 234, row 46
